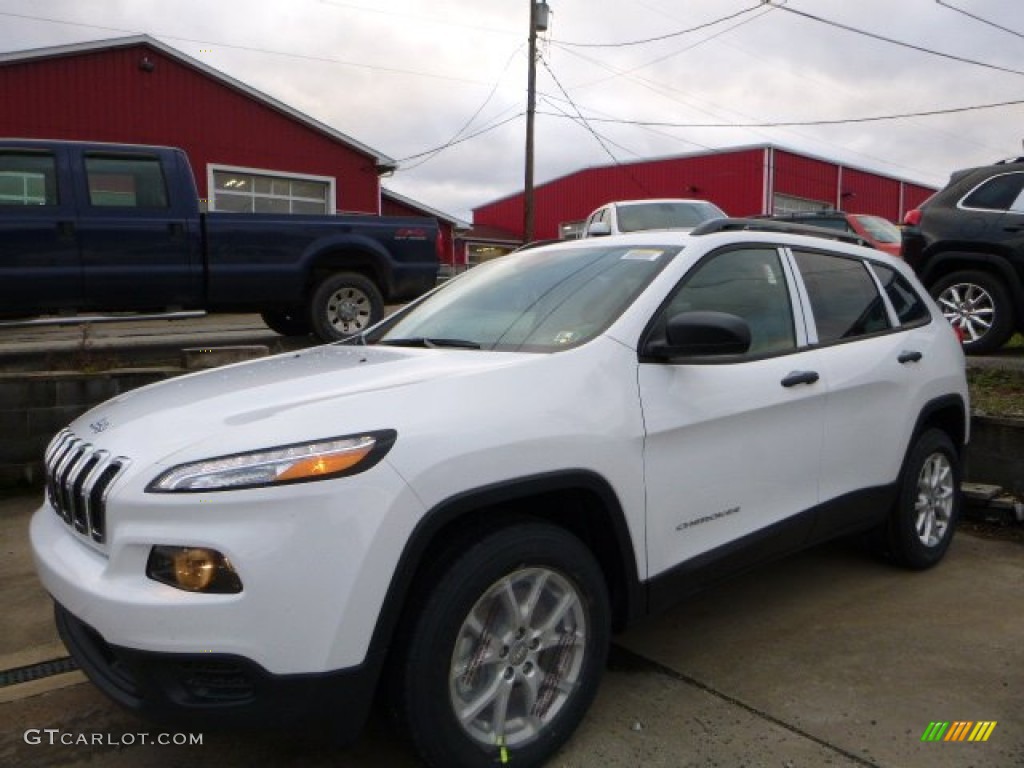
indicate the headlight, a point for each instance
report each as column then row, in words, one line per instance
column 298, row 463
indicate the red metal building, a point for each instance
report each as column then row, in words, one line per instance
column 249, row 151
column 742, row 182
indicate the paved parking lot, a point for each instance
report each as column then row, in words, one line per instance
column 825, row 659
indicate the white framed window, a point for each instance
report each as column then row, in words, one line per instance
column 255, row 190
column 789, row 204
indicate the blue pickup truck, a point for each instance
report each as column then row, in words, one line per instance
column 116, row 228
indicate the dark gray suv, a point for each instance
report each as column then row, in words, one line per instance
column 966, row 243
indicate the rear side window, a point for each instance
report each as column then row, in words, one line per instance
column 844, row 298
column 909, row 306
column 997, row 194
column 28, row 178
column 125, row 182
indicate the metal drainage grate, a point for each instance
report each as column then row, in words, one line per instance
column 38, row 671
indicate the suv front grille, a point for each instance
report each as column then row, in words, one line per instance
column 78, row 478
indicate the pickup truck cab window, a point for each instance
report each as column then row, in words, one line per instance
column 125, row 182
column 28, row 178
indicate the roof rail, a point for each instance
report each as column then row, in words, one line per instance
column 769, row 225
column 1009, row 161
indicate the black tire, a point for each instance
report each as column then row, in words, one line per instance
column 287, row 322
column 979, row 305
column 343, row 305
column 921, row 524
column 533, row 686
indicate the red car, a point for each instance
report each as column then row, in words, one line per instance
column 881, row 233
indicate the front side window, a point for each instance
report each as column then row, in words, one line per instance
column 909, row 306
column 748, row 283
column 999, row 193
column 539, row 300
column 28, row 178
column 844, row 298
column 125, row 182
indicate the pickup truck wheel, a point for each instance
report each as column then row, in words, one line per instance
column 506, row 653
column 921, row 525
column 979, row 306
column 343, row 305
column 287, row 323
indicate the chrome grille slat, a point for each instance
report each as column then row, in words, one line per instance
column 78, row 481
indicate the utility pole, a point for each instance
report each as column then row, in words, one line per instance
column 538, row 21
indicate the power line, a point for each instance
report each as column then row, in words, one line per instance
column 251, row 49
column 911, row 46
column 659, row 37
column 796, row 123
column 586, row 124
column 465, row 138
column 979, row 18
column 473, row 117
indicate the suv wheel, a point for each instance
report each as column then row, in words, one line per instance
column 922, row 523
column 979, row 306
column 505, row 655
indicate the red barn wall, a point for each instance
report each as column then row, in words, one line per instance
column 106, row 96
column 736, row 181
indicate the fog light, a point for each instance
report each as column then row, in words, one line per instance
column 193, row 569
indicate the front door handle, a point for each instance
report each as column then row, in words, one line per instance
column 909, row 356
column 800, row 377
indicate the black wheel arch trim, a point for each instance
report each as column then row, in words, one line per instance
column 933, row 407
column 464, row 504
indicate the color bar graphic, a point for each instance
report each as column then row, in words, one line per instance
column 959, row 730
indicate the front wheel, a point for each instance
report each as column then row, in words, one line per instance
column 921, row 525
column 506, row 653
column 344, row 304
column 979, row 306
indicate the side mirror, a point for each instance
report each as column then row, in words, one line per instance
column 599, row 228
column 703, row 334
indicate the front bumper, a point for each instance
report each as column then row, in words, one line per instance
column 213, row 690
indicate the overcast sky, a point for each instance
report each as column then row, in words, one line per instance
column 406, row 76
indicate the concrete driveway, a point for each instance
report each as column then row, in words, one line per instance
column 825, row 659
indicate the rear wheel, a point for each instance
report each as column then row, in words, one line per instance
column 287, row 322
column 506, row 652
column 979, row 306
column 343, row 305
column 921, row 525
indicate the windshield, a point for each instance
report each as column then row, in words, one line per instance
column 540, row 300
column 880, row 229
column 666, row 215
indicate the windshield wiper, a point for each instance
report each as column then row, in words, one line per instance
column 430, row 343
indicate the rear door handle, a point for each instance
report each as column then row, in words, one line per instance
column 800, row 377
column 909, row 356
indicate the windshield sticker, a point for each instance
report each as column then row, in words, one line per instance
column 565, row 337
column 642, row 254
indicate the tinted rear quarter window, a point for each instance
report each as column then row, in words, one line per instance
column 909, row 306
column 844, row 298
column 996, row 194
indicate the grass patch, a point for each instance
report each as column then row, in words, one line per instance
column 996, row 392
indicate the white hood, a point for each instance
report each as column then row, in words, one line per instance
column 287, row 398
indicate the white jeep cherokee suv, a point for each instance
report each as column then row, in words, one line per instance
column 467, row 501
